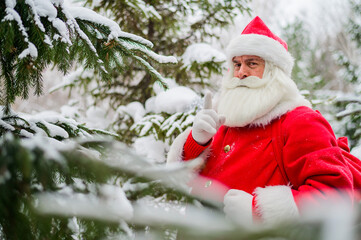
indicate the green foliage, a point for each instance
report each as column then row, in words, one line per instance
column 52, row 126
column 172, row 26
column 164, row 127
column 310, row 72
column 350, row 107
column 28, row 169
column 305, row 72
column 69, row 195
column 354, row 27
column 202, row 72
column 43, row 187
column 30, row 42
column 350, row 117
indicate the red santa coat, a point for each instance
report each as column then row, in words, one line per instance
column 245, row 158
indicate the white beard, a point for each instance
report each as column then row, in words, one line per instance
column 258, row 101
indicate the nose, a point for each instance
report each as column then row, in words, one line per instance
column 242, row 72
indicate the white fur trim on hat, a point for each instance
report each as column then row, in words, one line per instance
column 262, row 46
column 275, row 203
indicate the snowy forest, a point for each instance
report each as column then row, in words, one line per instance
column 93, row 93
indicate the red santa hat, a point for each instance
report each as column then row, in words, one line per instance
column 257, row 39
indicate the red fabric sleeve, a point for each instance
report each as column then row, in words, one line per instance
column 192, row 149
column 313, row 162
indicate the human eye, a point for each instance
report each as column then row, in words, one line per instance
column 252, row 64
column 237, row 65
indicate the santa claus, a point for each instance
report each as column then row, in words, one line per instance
column 262, row 140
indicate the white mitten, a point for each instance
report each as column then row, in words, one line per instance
column 238, row 206
column 206, row 122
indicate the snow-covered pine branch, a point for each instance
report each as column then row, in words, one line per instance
column 48, row 124
column 36, row 33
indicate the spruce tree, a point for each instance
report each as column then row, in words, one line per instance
column 350, row 105
column 177, row 28
column 39, row 157
column 172, row 26
column 337, row 97
column 36, row 34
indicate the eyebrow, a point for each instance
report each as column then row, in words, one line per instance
column 253, row 59
column 248, row 60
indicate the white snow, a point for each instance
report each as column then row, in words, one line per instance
column 25, row 133
column 337, row 216
column 147, row 123
column 201, row 53
column 349, row 111
column 356, row 151
column 13, row 15
column 134, row 109
column 50, row 146
column 70, row 111
column 54, row 130
column 10, row 3
column 74, row 227
column 196, row 218
column 51, row 117
column 155, row 56
column 45, row 9
column 5, row 125
column 97, row 117
column 116, row 32
column 36, row 16
column 72, row 77
column 111, row 205
column 157, row 88
column 150, row 148
column 31, row 50
column 177, row 99
column 47, row 40
column 62, row 30
column 129, row 186
column 54, row 125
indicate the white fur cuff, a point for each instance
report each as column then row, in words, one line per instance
column 176, row 149
column 275, row 203
column 175, row 153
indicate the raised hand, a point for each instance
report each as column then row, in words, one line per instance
column 206, row 122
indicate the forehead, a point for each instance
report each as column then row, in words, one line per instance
column 246, row 58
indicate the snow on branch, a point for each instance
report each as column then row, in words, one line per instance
column 351, row 99
column 52, row 32
column 151, row 54
column 115, row 31
column 112, row 205
column 48, row 124
column 13, row 15
column 349, row 112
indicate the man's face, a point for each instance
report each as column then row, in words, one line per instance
column 248, row 65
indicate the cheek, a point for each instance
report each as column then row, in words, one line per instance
column 260, row 72
column 235, row 72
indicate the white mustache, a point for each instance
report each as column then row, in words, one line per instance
column 248, row 82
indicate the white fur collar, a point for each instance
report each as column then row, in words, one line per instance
column 281, row 108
